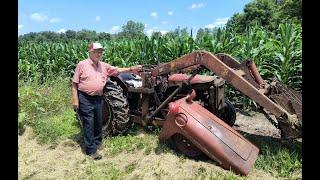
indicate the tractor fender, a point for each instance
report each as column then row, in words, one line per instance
column 120, row 82
column 179, row 78
column 209, row 134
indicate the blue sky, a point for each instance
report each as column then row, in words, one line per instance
column 110, row 16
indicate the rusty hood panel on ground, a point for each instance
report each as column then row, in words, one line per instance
column 211, row 135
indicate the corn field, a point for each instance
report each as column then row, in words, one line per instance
column 275, row 54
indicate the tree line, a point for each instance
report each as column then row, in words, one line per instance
column 131, row 30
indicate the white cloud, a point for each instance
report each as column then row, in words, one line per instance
column 170, row 13
column 164, row 32
column 217, row 23
column 145, row 25
column 149, row 32
column 164, row 22
column 115, row 29
column 210, row 26
column 98, row 18
column 61, row 31
column 155, row 29
column 154, row 14
column 20, row 26
column 54, row 20
column 38, row 17
column 221, row 21
column 194, row 6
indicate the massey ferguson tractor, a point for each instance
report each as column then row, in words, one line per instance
column 192, row 110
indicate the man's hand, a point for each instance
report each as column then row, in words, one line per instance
column 135, row 69
column 75, row 106
column 75, row 100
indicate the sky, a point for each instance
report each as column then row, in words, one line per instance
column 110, row 15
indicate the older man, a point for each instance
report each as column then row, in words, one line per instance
column 87, row 94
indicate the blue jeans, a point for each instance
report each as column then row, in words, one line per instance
column 90, row 111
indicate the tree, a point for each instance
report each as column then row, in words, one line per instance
column 257, row 12
column 85, row 34
column 40, row 38
column 50, row 35
column 156, row 35
column 266, row 13
column 205, row 33
column 104, row 36
column 28, row 37
column 70, row 34
column 178, row 32
column 184, row 33
column 62, row 37
column 132, row 30
column 169, row 35
column 292, row 9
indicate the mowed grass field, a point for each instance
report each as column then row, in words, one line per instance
column 50, row 143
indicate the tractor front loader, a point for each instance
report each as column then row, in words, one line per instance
column 193, row 111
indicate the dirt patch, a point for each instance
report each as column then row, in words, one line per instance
column 67, row 161
column 256, row 124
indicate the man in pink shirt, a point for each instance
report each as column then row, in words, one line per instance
column 88, row 81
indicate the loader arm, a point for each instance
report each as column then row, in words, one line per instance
column 244, row 77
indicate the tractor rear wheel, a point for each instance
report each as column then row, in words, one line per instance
column 116, row 118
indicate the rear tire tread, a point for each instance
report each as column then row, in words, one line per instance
column 120, row 120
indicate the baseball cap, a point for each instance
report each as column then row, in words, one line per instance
column 94, row 46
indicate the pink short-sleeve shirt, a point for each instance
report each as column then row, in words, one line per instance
column 91, row 78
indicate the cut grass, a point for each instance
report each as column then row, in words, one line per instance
column 47, row 109
column 133, row 142
column 128, row 143
column 110, row 171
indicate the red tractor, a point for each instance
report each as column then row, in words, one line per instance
column 192, row 109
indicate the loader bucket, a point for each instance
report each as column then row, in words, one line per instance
column 291, row 101
column 210, row 135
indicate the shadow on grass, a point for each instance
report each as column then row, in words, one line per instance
column 78, row 138
column 170, row 146
column 279, row 157
column 272, row 146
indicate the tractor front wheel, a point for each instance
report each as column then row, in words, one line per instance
column 228, row 113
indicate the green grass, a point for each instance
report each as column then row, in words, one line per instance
column 131, row 167
column 281, row 159
column 226, row 176
column 110, row 171
column 47, row 109
column 128, row 143
column 132, row 142
column 53, row 128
